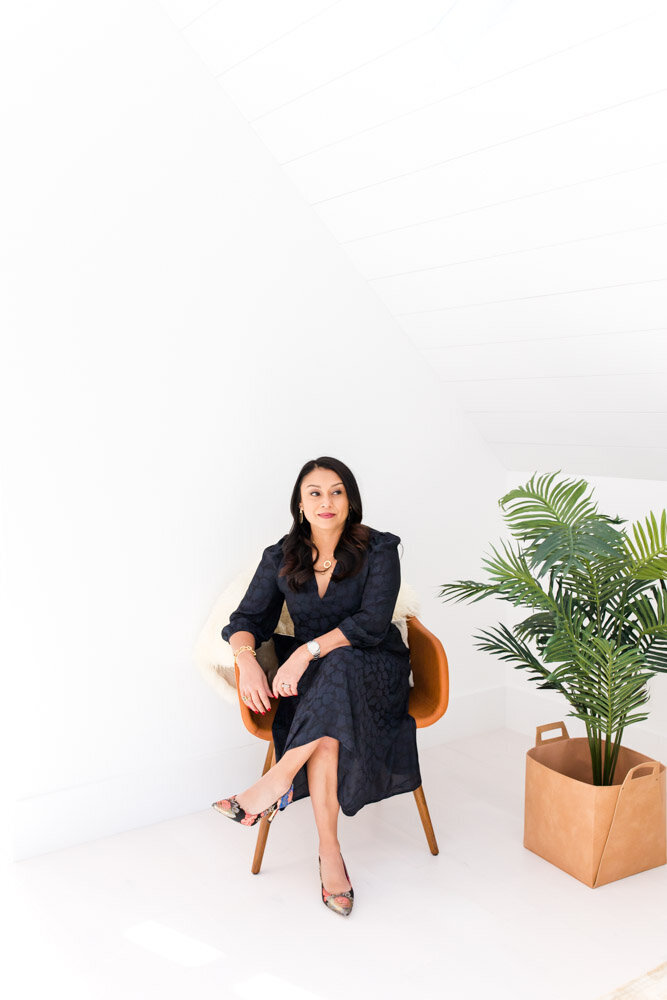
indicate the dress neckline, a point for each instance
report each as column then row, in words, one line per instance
column 331, row 578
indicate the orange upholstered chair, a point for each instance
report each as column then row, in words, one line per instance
column 428, row 702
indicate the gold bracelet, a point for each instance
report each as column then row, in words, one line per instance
column 242, row 648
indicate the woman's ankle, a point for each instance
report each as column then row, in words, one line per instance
column 329, row 847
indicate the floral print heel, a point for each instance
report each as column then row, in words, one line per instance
column 339, row 902
column 231, row 808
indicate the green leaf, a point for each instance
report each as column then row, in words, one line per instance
column 648, row 555
column 566, row 531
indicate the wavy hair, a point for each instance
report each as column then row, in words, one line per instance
column 352, row 545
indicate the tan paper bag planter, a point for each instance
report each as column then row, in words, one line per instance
column 596, row 833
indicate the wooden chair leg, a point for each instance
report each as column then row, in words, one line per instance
column 426, row 819
column 264, row 824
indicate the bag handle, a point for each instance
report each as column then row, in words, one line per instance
column 564, row 735
column 651, row 767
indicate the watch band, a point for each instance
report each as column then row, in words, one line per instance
column 313, row 648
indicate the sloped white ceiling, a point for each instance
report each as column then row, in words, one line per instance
column 497, row 171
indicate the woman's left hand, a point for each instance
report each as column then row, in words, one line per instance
column 291, row 672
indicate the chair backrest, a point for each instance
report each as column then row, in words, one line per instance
column 430, row 695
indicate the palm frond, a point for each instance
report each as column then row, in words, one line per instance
column 648, row 554
column 462, row 590
column 656, row 654
column 513, row 580
column 538, row 627
column 565, row 530
column 613, row 681
column 506, row 646
column 608, row 682
column 598, row 580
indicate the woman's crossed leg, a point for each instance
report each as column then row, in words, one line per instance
column 321, row 759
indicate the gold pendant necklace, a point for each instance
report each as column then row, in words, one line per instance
column 327, row 564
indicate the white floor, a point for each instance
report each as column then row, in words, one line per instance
column 172, row 910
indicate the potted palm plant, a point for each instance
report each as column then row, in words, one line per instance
column 597, row 633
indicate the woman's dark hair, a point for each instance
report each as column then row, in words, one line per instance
column 352, row 544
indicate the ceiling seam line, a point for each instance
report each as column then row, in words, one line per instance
column 511, row 253
column 525, row 298
column 575, row 444
column 355, row 69
column 200, row 15
column 546, row 378
column 543, row 340
column 275, row 41
column 494, row 145
column 506, row 201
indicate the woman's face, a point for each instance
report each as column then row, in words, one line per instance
column 324, row 501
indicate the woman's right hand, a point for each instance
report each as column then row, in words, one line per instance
column 254, row 685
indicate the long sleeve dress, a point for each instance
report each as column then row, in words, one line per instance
column 357, row 694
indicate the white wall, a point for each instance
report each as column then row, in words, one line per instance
column 182, row 335
column 526, row 708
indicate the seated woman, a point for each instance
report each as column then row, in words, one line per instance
column 342, row 732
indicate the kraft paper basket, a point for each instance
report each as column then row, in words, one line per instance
column 596, row 833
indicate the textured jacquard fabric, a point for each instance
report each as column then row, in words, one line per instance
column 357, row 694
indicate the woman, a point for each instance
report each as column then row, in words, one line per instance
column 342, row 732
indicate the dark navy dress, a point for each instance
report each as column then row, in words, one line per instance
column 357, row 694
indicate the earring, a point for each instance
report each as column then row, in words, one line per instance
column 300, row 515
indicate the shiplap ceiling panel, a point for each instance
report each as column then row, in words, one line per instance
column 512, row 108
column 347, row 104
column 437, row 65
column 331, row 46
column 496, row 170
column 565, row 426
column 631, row 256
column 641, row 306
column 620, row 139
column 555, row 217
column 540, row 392
column 629, row 353
column 357, row 52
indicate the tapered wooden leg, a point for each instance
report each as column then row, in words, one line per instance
column 264, row 824
column 426, row 819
